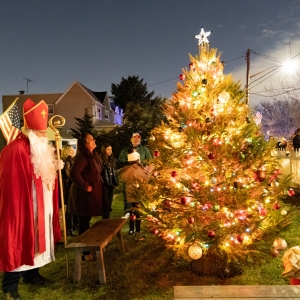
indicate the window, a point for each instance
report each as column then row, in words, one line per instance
column 99, row 113
column 106, row 115
column 50, row 109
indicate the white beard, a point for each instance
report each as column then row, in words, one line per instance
column 42, row 158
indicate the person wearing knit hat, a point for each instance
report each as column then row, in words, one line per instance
column 145, row 157
column 135, row 177
column 29, row 221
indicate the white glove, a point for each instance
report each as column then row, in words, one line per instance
column 60, row 164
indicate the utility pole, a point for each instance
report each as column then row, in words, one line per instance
column 28, row 80
column 247, row 75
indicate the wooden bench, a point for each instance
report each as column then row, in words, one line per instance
column 96, row 238
column 242, row 292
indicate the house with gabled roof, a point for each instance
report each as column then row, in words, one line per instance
column 72, row 103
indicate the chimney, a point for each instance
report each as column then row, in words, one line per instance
column 21, row 92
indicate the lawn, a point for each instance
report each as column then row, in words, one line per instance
column 146, row 271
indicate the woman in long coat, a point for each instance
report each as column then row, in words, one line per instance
column 86, row 190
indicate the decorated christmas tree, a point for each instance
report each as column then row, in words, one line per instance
column 216, row 188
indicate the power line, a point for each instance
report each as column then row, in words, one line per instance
column 265, row 78
column 163, row 81
column 265, row 75
column 271, row 96
column 281, row 19
column 266, row 56
column 177, row 76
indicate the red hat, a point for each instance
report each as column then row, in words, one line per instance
column 35, row 115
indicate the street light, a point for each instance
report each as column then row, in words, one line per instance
column 288, row 66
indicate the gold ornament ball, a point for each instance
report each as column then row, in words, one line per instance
column 152, row 138
column 195, row 251
column 275, row 183
column 283, row 212
column 279, row 244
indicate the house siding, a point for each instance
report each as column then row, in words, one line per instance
column 72, row 105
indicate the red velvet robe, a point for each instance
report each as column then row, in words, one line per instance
column 17, row 232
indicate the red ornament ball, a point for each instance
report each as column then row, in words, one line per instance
column 173, row 173
column 191, row 220
column 184, row 200
column 277, row 171
column 182, row 76
column 263, row 211
column 291, row 192
column 207, row 206
column 240, row 238
column 156, row 153
column 273, row 177
column 168, row 203
column 132, row 217
column 259, row 176
column 274, row 252
column 276, row 206
column 211, row 234
column 191, row 66
column 211, row 156
column 155, row 231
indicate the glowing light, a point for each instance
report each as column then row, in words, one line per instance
column 289, row 66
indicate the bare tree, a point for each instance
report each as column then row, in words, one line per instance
column 281, row 116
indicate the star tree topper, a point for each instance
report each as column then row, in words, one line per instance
column 202, row 36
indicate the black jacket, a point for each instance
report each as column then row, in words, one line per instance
column 109, row 173
column 296, row 141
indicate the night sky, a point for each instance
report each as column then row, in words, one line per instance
column 97, row 42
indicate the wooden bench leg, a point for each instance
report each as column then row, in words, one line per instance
column 120, row 241
column 101, row 267
column 77, row 267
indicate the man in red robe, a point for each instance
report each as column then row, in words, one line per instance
column 29, row 221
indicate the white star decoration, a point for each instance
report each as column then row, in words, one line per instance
column 202, row 36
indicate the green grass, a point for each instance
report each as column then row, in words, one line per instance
column 146, row 271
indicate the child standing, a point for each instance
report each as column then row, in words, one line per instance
column 134, row 175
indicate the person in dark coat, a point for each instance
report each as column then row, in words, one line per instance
column 296, row 140
column 109, row 176
column 86, row 190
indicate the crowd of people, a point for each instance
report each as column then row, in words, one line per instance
column 29, row 194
